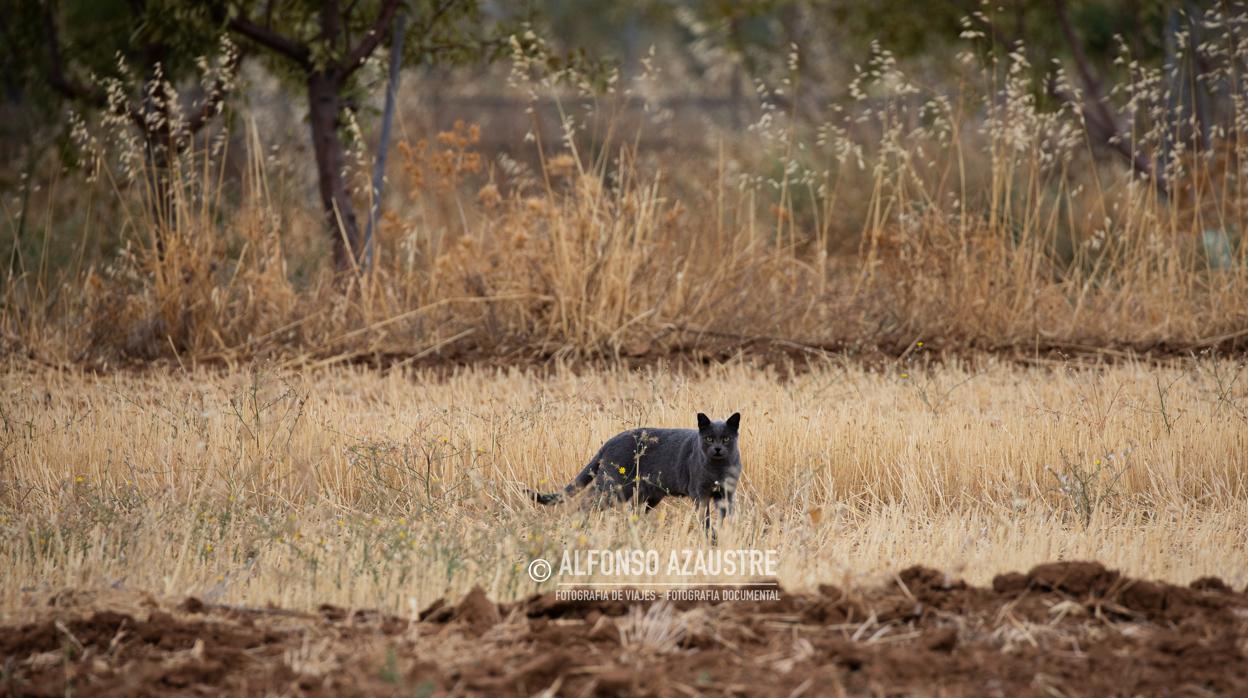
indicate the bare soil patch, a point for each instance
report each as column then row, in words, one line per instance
column 1067, row 628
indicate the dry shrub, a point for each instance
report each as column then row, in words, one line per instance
column 182, row 291
column 976, row 221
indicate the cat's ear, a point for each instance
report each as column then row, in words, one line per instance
column 734, row 422
column 704, row 422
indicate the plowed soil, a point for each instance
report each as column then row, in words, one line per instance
column 1070, row 628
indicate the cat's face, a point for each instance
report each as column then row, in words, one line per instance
column 718, row 439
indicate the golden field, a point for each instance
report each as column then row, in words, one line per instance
column 392, row 489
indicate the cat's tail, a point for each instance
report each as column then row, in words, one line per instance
column 581, row 481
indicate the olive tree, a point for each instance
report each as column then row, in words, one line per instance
column 323, row 44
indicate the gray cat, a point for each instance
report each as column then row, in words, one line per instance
column 645, row 465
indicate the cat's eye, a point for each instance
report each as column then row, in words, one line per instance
column 708, row 439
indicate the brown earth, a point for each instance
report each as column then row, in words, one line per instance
column 1069, row 628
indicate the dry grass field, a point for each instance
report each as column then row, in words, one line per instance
column 391, row 490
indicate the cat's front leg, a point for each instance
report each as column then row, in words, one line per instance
column 707, row 524
column 724, row 506
column 728, row 493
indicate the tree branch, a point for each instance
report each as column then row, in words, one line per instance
column 294, row 50
column 73, row 90
column 331, row 22
column 346, row 15
column 1097, row 107
column 356, row 56
column 216, row 94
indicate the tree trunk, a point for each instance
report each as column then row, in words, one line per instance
column 324, row 108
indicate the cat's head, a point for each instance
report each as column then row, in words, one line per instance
column 718, row 439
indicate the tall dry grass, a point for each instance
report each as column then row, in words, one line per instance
column 979, row 218
column 364, row 488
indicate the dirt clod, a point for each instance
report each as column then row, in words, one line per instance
column 1067, row 628
column 1211, row 584
column 1072, row 577
column 477, row 611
